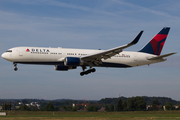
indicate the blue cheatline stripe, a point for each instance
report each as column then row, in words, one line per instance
column 104, row 64
column 42, row 63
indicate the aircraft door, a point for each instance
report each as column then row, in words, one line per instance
column 20, row 53
column 135, row 57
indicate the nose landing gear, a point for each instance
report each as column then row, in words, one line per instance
column 88, row 71
column 15, row 65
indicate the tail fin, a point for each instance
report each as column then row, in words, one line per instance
column 156, row 44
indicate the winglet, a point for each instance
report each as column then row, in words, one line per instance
column 136, row 39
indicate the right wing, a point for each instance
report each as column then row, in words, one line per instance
column 97, row 57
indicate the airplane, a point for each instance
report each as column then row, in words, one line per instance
column 65, row 59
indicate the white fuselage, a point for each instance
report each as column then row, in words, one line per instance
column 56, row 56
column 65, row 59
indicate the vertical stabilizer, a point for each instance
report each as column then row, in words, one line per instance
column 155, row 46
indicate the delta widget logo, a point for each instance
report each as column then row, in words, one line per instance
column 27, row 50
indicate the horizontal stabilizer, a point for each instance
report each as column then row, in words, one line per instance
column 161, row 56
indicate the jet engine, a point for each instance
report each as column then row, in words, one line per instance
column 72, row 61
column 64, row 68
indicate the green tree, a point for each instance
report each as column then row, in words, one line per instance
column 119, row 105
column 107, row 108
column 75, row 108
column 92, row 108
column 49, row 107
column 124, row 105
column 69, row 108
column 156, row 102
column 24, row 108
column 6, row 106
column 131, row 104
column 169, row 106
column 25, row 101
column 155, row 105
column 136, row 103
column 41, row 109
column 33, row 108
column 111, row 108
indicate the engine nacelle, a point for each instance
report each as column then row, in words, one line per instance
column 64, row 68
column 72, row 61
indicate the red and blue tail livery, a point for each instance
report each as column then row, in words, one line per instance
column 156, row 44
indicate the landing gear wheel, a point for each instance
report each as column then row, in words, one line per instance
column 93, row 70
column 15, row 69
column 88, row 71
column 82, row 73
column 15, row 65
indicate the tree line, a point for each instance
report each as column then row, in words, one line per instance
column 110, row 104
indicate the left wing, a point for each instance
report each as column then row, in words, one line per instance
column 97, row 57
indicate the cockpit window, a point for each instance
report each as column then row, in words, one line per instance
column 9, row 51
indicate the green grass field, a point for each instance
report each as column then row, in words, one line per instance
column 137, row 115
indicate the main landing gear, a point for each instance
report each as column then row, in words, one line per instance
column 88, row 71
column 15, row 65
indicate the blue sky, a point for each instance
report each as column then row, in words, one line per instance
column 92, row 24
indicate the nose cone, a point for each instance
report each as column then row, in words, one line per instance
column 3, row 55
column 6, row 56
